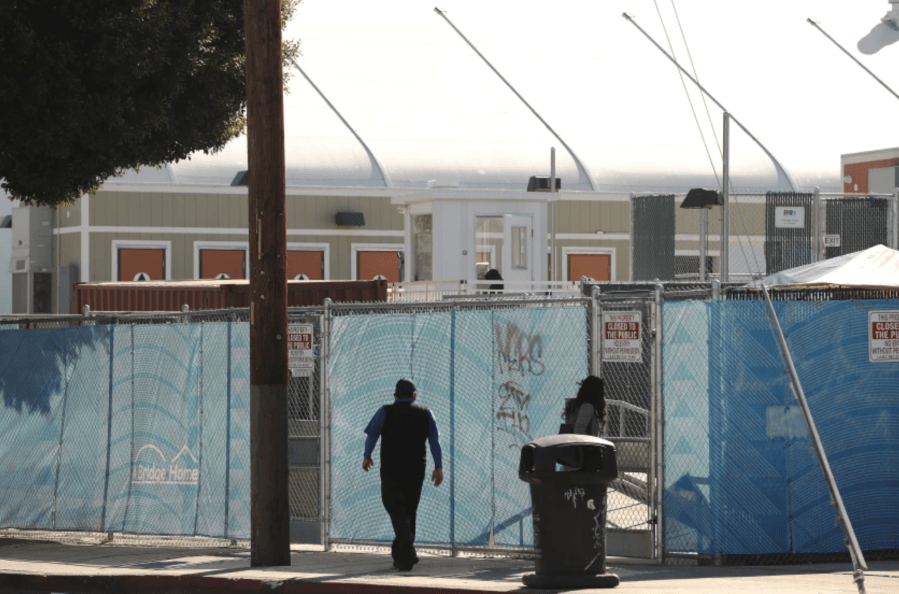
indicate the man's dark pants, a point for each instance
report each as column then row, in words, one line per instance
column 400, row 495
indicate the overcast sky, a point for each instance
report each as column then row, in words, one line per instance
column 419, row 95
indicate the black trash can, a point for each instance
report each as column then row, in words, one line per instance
column 569, row 475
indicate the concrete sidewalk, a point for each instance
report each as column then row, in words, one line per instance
column 49, row 566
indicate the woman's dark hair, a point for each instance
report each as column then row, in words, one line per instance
column 591, row 390
column 494, row 275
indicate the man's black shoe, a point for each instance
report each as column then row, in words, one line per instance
column 406, row 566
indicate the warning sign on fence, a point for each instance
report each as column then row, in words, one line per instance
column 300, row 358
column 621, row 336
column 883, row 336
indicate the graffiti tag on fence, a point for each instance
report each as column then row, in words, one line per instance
column 519, row 355
column 518, row 352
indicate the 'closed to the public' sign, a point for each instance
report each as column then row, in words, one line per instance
column 622, row 336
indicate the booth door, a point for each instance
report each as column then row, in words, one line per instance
column 596, row 266
column 223, row 264
column 141, row 264
column 309, row 263
column 372, row 264
column 517, row 255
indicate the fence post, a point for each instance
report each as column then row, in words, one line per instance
column 595, row 339
column 630, row 234
column 228, row 389
column 819, row 224
column 894, row 224
column 596, row 343
column 109, row 409
column 452, row 470
column 325, row 428
column 657, row 466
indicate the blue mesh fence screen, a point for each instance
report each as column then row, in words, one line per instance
column 494, row 380
column 741, row 474
column 126, row 429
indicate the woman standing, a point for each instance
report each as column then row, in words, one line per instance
column 587, row 413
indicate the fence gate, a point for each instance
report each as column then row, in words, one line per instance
column 652, row 237
column 858, row 222
column 304, row 392
column 789, row 230
column 628, row 359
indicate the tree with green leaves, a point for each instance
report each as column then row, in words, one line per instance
column 91, row 88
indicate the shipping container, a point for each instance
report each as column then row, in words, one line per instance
column 214, row 294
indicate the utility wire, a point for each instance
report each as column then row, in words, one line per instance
column 752, row 255
column 740, row 242
column 689, row 99
column 696, row 75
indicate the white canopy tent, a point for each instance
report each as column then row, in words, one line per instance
column 876, row 267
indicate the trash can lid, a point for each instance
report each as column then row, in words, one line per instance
column 570, row 439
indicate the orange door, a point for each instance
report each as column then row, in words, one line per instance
column 374, row 263
column 139, row 264
column 310, row 263
column 596, row 266
column 222, row 264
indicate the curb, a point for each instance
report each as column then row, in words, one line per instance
column 177, row 584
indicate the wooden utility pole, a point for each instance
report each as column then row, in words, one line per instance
column 269, row 520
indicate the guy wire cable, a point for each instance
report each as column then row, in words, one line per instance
column 687, row 92
column 696, row 75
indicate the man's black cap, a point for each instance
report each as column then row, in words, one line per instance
column 404, row 389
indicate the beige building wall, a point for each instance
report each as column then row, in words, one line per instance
column 179, row 220
column 594, row 223
column 184, row 221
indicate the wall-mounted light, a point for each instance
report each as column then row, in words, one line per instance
column 350, row 219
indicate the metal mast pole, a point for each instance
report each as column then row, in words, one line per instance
column 817, row 26
column 781, row 171
column 582, row 170
column 375, row 162
column 724, row 234
column 552, row 209
column 855, row 551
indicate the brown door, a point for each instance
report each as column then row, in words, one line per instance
column 378, row 263
column 310, row 263
column 139, row 264
column 596, row 266
column 222, row 264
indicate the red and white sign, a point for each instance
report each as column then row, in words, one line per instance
column 621, row 336
column 883, row 336
column 300, row 358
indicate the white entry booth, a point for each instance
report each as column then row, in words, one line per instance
column 454, row 234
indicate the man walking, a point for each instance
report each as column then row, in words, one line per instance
column 403, row 427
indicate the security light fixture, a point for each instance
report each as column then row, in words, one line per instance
column 702, row 198
column 540, row 183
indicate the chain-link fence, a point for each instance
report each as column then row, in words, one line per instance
column 627, row 355
column 742, row 481
column 766, row 233
column 132, row 426
column 495, row 375
column 137, row 425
